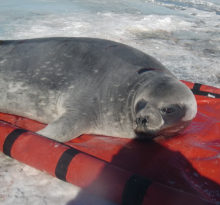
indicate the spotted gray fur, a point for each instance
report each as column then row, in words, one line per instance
column 85, row 85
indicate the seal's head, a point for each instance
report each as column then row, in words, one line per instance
column 163, row 107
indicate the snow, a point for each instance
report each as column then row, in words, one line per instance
column 182, row 34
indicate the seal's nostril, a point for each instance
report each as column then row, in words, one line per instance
column 138, row 120
column 144, row 121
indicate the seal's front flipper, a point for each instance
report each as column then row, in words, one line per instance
column 65, row 128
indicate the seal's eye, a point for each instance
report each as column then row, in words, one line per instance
column 168, row 110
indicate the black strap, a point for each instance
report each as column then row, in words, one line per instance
column 11, row 138
column 63, row 163
column 196, row 91
column 135, row 190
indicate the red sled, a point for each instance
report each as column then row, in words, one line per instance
column 176, row 171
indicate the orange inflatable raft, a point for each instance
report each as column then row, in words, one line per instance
column 181, row 170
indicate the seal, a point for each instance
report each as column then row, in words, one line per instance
column 92, row 86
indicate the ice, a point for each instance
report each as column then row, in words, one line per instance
column 183, row 34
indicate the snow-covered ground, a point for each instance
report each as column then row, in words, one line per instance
column 183, row 34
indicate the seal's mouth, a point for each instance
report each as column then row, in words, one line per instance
column 144, row 132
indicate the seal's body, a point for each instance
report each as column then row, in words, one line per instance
column 85, row 85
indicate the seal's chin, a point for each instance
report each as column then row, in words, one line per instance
column 145, row 136
column 143, row 132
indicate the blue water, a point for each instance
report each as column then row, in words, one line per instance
column 15, row 12
column 210, row 6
